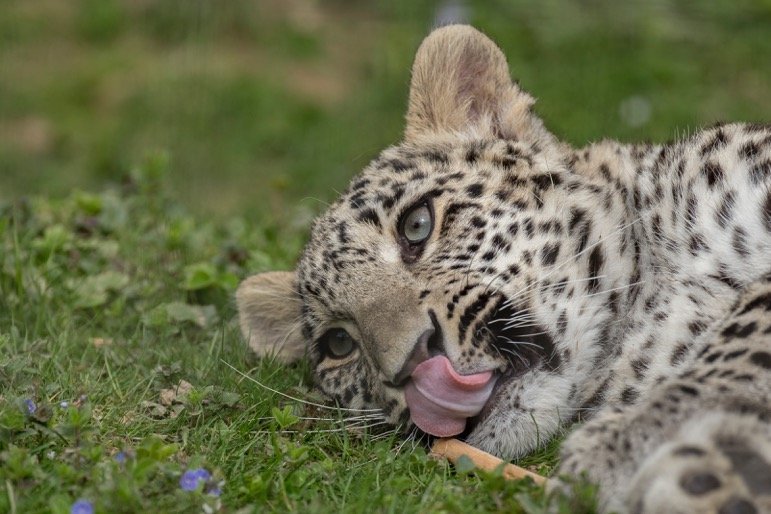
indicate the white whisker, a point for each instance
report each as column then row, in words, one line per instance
column 326, row 430
column 318, row 405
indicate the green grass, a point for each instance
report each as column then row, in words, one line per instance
column 154, row 153
column 266, row 106
column 112, row 304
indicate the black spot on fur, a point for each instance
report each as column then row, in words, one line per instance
column 436, row 156
column 583, row 237
column 737, row 505
column 696, row 327
column 690, row 211
column 763, row 301
column 738, row 330
column 689, row 451
column 724, row 213
column 470, row 314
column 734, row 354
column 699, row 483
column 762, row 359
column 690, row 391
column 342, row 233
column 475, row 190
column 714, row 173
column 767, row 212
column 605, row 171
column 718, row 141
column 549, row 254
column 739, row 242
column 478, row 222
column 698, row 244
column 453, row 211
column 397, row 165
column 640, row 366
column 754, row 470
column 500, row 244
column 679, row 354
column 596, row 261
column 629, row 395
column 749, row 150
column 576, row 216
column 544, row 181
column 726, row 279
column 760, row 172
column 514, row 228
column 613, row 300
column 360, row 183
column 529, row 227
column 369, row 216
column 597, row 397
column 756, row 128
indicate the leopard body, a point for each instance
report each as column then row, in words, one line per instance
column 626, row 286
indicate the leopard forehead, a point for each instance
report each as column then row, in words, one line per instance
column 486, row 171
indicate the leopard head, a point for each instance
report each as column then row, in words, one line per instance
column 459, row 284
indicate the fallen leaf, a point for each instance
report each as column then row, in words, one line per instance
column 175, row 410
column 177, row 394
column 155, row 410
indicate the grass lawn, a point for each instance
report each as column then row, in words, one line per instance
column 121, row 370
column 153, row 153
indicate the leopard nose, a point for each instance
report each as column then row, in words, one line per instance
column 429, row 344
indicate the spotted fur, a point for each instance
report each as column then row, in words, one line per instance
column 626, row 285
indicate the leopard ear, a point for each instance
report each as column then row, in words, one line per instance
column 461, row 83
column 269, row 310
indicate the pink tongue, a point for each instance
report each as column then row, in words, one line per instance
column 440, row 399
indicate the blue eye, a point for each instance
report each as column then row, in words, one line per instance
column 336, row 343
column 417, row 224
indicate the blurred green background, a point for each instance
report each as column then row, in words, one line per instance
column 267, row 107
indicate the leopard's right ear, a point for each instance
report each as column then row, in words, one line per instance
column 269, row 310
column 461, row 83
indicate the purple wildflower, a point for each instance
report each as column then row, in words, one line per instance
column 213, row 490
column 30, row 406
column 192, row 477
column 82, row 507
column 120, row 457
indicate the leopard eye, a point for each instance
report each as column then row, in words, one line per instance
column 336, row 343
column 417, row 224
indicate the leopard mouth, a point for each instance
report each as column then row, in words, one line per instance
column 441, row 400
column 444, row 403
column 526, row 347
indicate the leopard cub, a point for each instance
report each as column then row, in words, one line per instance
column 484, row 280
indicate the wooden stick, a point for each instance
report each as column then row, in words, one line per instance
column 452, row 450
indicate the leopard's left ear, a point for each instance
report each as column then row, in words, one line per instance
column 461, row 83
column 269, row 309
